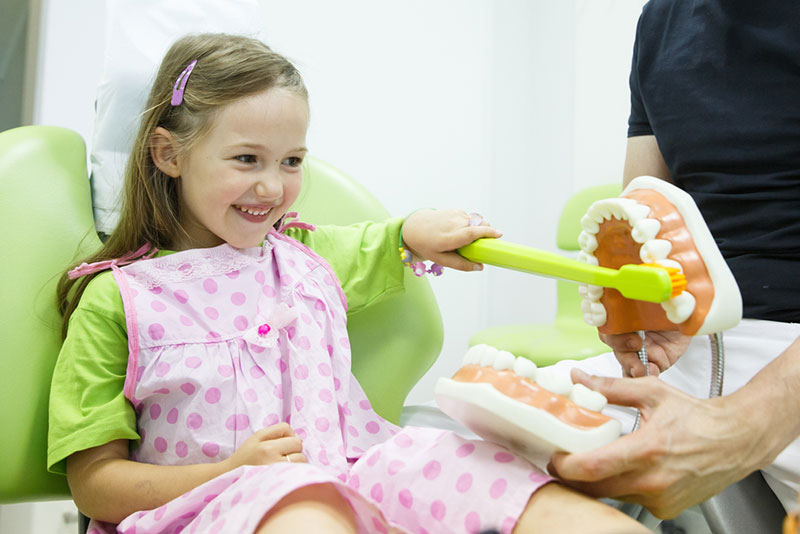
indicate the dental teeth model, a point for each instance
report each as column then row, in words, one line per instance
column 534, row 412
column 658, row 223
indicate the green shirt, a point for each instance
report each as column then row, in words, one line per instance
column 87, row 407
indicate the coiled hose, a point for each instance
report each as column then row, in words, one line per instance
column 717, row 368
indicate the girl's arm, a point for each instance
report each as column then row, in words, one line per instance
column 106, row 486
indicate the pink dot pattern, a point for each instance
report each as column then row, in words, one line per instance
column 386, row 493
column 205, row 382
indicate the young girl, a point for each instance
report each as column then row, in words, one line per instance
column 204, row 383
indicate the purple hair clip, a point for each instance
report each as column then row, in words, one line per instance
column 177, row 92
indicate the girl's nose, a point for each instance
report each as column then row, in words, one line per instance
column 269, row 186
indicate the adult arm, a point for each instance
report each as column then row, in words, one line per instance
column 643, row 158
column 688, row 449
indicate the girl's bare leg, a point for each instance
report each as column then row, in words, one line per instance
column 316, row 508
column 555, row 509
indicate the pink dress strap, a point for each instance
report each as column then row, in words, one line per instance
column 286, row 224
column 88, row 268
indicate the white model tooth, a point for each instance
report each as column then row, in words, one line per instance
column 595, row 292
column 637, row 212
column 504, row 360
column 645, row 230
column 589, row 225
column 622, row 207
column 679, row 308
column 610, row 207
column 585, row 257
column 488, row 356
column 598, row 212
column 587, row 242
column 525, row 368
column 583, row 290
column 670, row 263
column 626, row 203
column 588, row 398
column 555, row 381
column 473, row 355
column 655, row 250
column 590, row 292
column 594, row 313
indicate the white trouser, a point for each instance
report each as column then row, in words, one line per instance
column 748, row 348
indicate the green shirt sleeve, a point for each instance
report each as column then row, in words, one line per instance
column 364, row 257
column 87, row 406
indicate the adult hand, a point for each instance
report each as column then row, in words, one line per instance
column 685, row 451
column 276, row 443
column 436, row 234
column 663, row 350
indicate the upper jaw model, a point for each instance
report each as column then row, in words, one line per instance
column 655, row 222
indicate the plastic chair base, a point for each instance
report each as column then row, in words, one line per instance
column 544, row 344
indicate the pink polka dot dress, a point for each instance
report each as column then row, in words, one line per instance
column 225, row 341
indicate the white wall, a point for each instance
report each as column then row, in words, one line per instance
column 505, row 108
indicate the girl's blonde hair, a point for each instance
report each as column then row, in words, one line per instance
column 229, row 67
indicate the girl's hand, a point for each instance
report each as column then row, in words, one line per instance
column 276, row 443
column 436, row 234
column 663, row 350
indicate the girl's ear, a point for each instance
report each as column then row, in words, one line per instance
column 164, row 152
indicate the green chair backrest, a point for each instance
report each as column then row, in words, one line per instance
column 45, row 216
column 395, row 341
column 569, row 228
column 46, row 220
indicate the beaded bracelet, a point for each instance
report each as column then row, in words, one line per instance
column 419, row 267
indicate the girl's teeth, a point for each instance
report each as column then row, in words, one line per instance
column 252, row 212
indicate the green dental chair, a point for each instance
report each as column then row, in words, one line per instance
column 46, row 221
column 568, row 337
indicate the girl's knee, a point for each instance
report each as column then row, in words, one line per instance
column 314, row 507
column 555, row 508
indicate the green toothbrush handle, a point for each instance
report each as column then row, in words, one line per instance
column 633, row 281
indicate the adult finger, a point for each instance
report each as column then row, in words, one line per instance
column 634, row 392
column 629, row 341
column 630, row 363
column 609, row 461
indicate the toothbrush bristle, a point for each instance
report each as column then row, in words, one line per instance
column 678, row 282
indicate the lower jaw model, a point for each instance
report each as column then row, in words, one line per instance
column 536, row 412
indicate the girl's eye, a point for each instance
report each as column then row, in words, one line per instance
column 246, row 158
column 293, row 161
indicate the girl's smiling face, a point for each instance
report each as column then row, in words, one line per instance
column 244, row 173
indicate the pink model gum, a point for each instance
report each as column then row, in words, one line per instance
column 523, row 390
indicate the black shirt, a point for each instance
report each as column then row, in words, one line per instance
column 718, row 84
